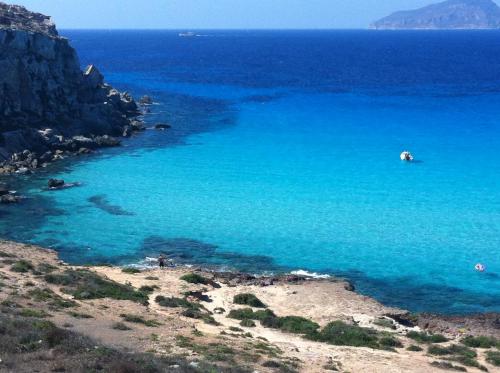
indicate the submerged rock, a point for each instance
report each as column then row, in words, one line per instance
column 55, row 183
column 9, row 198
column 162, row 126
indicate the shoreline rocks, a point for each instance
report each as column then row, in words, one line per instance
column 49, row 108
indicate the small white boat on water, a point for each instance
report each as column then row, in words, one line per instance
column 188, row 34
column 406, row 156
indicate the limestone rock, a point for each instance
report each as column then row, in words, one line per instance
column 45, row 99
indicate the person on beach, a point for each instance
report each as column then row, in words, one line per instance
column 161, row 261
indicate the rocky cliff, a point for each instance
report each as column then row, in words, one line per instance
column 45, row 98
column 451, row 14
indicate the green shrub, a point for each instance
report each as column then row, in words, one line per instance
column 297, row 325
column 194, row 278
column 390, row 342
column 131, row 270
column 3, row 254
column 248, row 313
column 480, row 342
column 235, row 329
column 414, row 348
column 173, row 302
column 248, row 299
column 77, row 315
column 452, row 350
column 46, row 268
column 448, row 366
column 247, row 323
column 493, row 357
column 198, row 314
column 22, row 266
column 140, row 320
column 28, row 312
column 83, row 284
column 341, row 334
column 423, row 337
column 148, row 289
column 458, row 353
column 120, row 326
column 152, row 278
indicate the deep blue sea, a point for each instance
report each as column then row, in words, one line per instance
column 284, row 156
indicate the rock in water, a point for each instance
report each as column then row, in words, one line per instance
column 450, row 14
column 146, row 100
column 44, row 96
column 162, row 126
column 55, row 183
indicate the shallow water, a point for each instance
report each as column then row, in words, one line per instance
column 284, row 155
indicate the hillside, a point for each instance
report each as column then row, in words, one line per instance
column 448, row 15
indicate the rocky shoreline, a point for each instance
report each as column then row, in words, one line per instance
column 50, row 109
column 234, row 321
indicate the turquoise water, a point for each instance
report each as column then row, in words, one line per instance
column 279, row 175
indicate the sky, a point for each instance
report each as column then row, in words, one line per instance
column 217, row 14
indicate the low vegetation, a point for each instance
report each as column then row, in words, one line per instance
column 27, row 344
column 131, row 270
column 423, row 337
column 247, row 323
column 414, row 348
column 55, row 302
column 173, row 302
column 342, row 334
column 120, row 326
column 461, row 354
column 481, row 342
column 22, row 266
column 136, row 319
column 249, row 314
column 78, row 315
column 248, row 299
column 148, row 289
column 445, row 365
column 29, row 312
column 194, row 278
column 191, row 309
column 493, row 357
column 290, row 324
column 83, row 284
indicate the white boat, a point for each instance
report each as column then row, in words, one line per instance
column 406, row 156
column 188, row 34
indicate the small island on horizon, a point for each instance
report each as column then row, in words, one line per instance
column 446, row 15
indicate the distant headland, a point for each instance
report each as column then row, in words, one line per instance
column 447, row 15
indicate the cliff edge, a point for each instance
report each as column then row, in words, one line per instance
column 45, row 98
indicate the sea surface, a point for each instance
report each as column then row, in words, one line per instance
column 284, row 156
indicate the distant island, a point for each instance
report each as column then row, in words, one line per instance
column 447, row 15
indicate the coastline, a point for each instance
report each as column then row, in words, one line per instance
column 180, row 333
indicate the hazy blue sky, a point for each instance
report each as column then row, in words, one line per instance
column 190, row 14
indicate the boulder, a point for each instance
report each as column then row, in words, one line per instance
column 146, row 100
column 55, row 183
column 106, row 141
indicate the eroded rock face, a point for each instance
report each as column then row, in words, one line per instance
column 42, row 88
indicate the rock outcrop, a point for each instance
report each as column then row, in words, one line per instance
column 448, row 15
column 45, row 98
